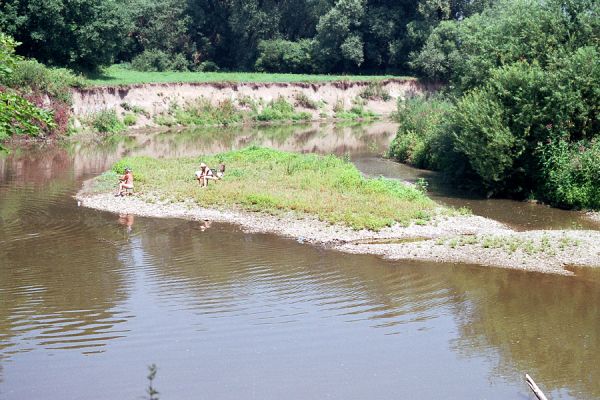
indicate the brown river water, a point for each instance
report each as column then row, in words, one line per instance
column 89, row 299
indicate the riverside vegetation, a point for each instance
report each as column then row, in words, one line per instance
column 518, row 116
column 521, row 120
column 272, row 181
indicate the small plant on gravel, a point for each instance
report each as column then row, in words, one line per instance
column 280, row 110
column 248, row 102
column 356, row 112
column 375, row 91
column 106, row 121
column 303, row 100
column 135, row 109
column 164, row 120
column 129, row 119
column 421, row 184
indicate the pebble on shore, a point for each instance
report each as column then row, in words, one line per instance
column 458, row 239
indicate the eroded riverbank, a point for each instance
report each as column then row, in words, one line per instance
column 458, row 239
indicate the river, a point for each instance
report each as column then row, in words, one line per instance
column 89, row 299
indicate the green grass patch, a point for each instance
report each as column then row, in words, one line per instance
column 272, row 181
column 202, row 112
column 280, row 110
column 119, row 75
column 355, row 113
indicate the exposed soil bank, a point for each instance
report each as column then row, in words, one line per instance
column 157, row 98
column 460, row 239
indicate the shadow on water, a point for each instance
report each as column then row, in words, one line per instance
column 226, row 314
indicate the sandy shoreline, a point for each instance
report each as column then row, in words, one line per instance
column 460, row 239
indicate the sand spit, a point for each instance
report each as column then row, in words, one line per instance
column 460, row 239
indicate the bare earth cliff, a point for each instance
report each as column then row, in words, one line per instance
column 157, row 98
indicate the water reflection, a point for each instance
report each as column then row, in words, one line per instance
column 544, row 325
column 226, row 314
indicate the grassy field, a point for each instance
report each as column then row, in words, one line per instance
column 272, row 181
column 118, row 75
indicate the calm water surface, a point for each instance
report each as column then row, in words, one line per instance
column 88, row 299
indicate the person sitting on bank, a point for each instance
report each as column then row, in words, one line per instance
column 125, row 182
column 204, row 174
column 221, row 171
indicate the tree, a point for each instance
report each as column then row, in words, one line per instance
column 339, row 43
column 85, row 34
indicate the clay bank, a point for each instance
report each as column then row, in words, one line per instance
column 320, row 100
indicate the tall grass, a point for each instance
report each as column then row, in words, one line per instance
column 272, row 181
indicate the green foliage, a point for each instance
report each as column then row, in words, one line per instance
column 32, row 77
column 280, row 55
column 338, row 42
column 571, row 173
column 480, row 133
column 203, row 112
column 421, row 135
column 466, row 52
column 280, row 110
column 525, row 78
column 130, row 119
column 85, row 34
column 20, row 117
column 304, row 101
column 357, row 111
column 375, row 91
column 152, row 61
column 8, row 59
column 106, row 121
column 272, row 181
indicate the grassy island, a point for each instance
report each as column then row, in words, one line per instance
column 274, row 182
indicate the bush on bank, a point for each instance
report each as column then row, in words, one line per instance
column 35, row 100
column 272, row 181
column 522, row 120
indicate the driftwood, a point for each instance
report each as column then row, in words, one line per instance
column 534, row 388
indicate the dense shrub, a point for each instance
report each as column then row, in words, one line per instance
column 155, row 60
column 525, row 78
column 203, row 112
column 208, row 66
column 280, row 109
column 19, row 116
column 571, row 174
column 29, row 76
column 375, row 91
column 421, row 129
column 284, row 56
column 82, row 34
column 151, row 61
column 8, row 59
column 130, row 119
column 106, row 121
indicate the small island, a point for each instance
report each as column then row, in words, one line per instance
column 325, row 200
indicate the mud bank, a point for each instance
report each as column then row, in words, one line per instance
column 460, row 239
column 154, row 99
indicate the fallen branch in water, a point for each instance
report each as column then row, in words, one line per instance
column 534, row 388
